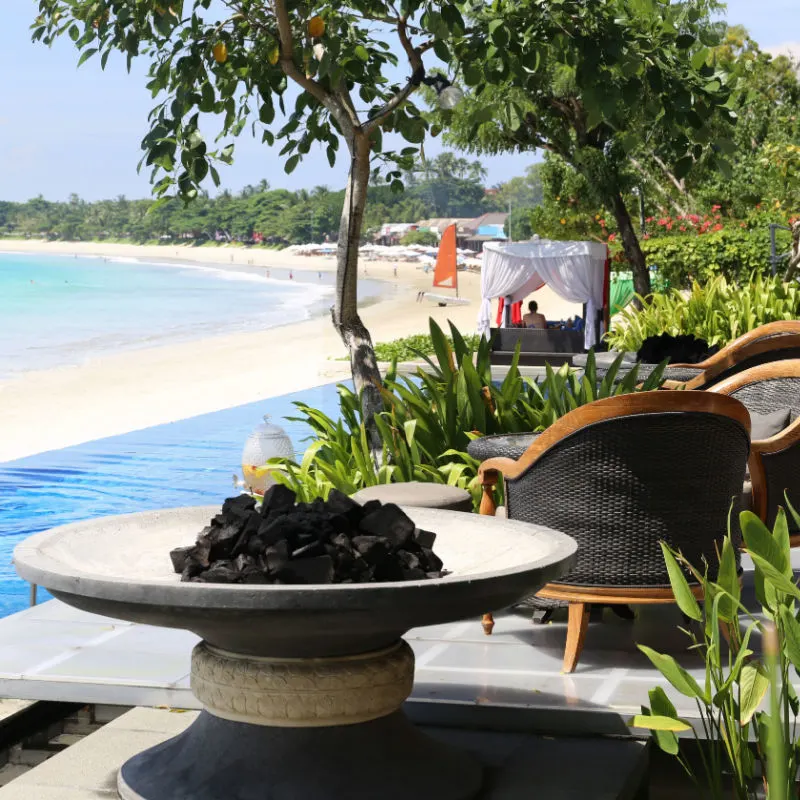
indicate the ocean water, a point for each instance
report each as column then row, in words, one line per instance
column 60, row 310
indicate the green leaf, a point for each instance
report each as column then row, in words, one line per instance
column 86, row 55
column 361, row 53
column 777, row 579
column 791, row 635
column 656, row 723
column 291, row 163
column 680, row 586
column 728, row 580
column 674, row 673
column 661, row 706
column 760, row 542
column 753, row 683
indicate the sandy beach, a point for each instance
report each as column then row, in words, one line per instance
column 113, row 394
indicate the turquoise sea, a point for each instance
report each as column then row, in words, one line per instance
column 61, row 310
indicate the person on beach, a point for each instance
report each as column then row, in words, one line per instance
column 395, row 270
column 291, row 277
column 533, row 319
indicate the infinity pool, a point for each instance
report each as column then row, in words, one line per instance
column 181, row 463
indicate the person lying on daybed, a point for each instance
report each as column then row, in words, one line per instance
column 533, row 319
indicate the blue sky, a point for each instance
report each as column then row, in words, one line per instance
column 64, row 129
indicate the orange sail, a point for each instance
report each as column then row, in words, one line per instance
column 446, row 273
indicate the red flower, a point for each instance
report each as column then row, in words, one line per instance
column 694, row 219
column 717, row 227
column 602, row 223
column 649, row 219
column 669, row 226
column 612, row 237
column 742, row 224
column 682, row 228
column 716, row 208
column 646, row 236
column 663, row 221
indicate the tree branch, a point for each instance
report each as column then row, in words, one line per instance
column 291, row 70
column 653, row 182
column 414, row 55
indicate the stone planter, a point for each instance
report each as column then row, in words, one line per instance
column 302, row 685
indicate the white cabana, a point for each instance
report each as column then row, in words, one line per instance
column 576, row 271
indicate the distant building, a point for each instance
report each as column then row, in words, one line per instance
column 486, row 228
column 392, row 232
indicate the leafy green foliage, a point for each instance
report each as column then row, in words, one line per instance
column 410, row 348
column 594, row 83
column 426, row 238
column 429, row 419
column 238, row 69
column 737, row 684
column 717, row 311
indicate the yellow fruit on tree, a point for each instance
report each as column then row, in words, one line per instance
column 220, row 52
column 316, row 27
column 273, row 55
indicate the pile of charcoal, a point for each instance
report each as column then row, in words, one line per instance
column 285, row 542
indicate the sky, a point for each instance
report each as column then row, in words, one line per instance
column 65, row 130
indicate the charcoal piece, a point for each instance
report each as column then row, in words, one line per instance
column 313, row 548
column 192, row 568
column 243, row 562
column 390, row 522
column 238, row 507
column 342, row 542
column 407, row 559
column 250, row 529
column 415, row 574
column 272, row 530
column 179, row 557
column 309, row 570
column 339, row 503
column 318, row 506
column 389, row 570
column 277, row 498
column 373, row 549
column 430, row 562
column 222, row 541
column 276, row 556
column 369, row 507
column 254, row 575
column 424, row 538
column 340, row 523
column 219, row 572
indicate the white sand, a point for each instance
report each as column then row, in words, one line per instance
column 113, row 394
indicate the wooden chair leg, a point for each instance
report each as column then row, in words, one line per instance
column 488, row 624
column 488, row 505
column 576, row 634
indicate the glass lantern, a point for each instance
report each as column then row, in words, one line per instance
column 265, row 442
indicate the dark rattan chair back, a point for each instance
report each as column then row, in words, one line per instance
column 775, row 462
column 775, row 341
column 664, row 468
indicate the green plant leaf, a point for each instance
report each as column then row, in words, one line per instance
column 760, row 542
column 656, row 723
column 754, row 683
column 680, row 586
column 675, row 673
column 791, row 635
column 728, row 580
column 778, row 580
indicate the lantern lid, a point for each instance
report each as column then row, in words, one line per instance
column 269, row 429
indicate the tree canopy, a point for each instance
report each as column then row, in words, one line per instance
column 593, row 83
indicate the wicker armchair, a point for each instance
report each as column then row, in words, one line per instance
column 620, row 475
column 774, row 341
column 774, row 462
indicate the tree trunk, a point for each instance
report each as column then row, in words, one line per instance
column 794, row 255
column 630, row 245
column 348, row 324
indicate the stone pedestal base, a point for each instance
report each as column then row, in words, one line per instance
column 301, row 729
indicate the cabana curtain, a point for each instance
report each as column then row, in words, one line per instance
column 576, row 271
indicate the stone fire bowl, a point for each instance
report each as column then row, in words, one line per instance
column 120, row 567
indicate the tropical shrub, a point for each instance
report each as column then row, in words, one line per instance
column 717, row 311
column 409, row 347
column 429, row 419
column 426, row 238
column 732, row 252
column 737, row 682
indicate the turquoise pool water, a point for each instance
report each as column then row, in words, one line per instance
column 190, row 462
